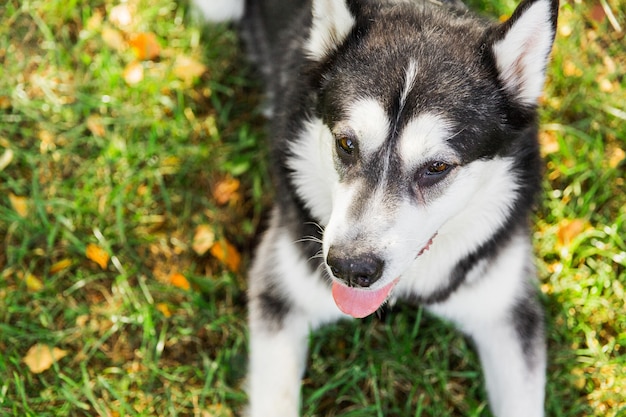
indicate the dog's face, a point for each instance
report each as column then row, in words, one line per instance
column 410, row 146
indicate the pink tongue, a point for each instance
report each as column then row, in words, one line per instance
column 358, row 302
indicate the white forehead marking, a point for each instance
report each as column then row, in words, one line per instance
column 425, row 138
column 368, row 119
column 409, row 82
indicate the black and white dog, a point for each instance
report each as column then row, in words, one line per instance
column 405, row 155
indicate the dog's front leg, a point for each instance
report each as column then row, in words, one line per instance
column 277, row 359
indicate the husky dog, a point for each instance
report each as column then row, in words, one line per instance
column 406, row 163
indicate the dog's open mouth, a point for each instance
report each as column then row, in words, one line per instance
column 360, row 302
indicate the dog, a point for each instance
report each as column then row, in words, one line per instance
column 404, row 146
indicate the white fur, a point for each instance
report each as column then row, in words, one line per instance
column 277, row 358
column 332, row 22
column 368, row 119
column 522, row 55
column 220, row 10
column 424, row 139
column 480, row 310
column 409, row 82
column 314, row 172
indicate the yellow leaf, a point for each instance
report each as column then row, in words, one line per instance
column 5, row 159
column 569, row 229
column 179, row 280
column 203, row 239
column 187, row 68
column 225, row 252
column 41, row 357
column 95, row 125
column 616, row 157
column 164, row 309
column 226, row 190
column 113, row 38
column 33, row 283
column 133, row 73
column 97, row 254
column 145, row 46
column 19, row 204
column 549, row 143
column 60, row 266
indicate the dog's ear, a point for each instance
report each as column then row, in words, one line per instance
column 522, row 47
column 332, row 22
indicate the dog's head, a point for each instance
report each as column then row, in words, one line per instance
column 420, row 109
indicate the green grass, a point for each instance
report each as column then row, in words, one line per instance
column 134, row 170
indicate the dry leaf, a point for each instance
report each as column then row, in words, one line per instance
column 145, row 46
column 548, row 142
column 226, row 190
column 568, row 230
column 616, row 157
column 19, row 204
column 226, row 253
column 121, row 15
column 60, row 266
column 164, row 309
column 6, row 159
column 187, row 68
column 95, row 125
column 97, row 254
column 179, row 280
column 113, row 38
column 5, row 102
column 33, row 283
column 203, row 239
column 133, row 73
column 41, row 357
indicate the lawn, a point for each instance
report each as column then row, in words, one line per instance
column 134, row 186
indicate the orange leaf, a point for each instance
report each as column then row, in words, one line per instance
column 133, row 73
column 19, row 204
column 60, row 266
column 179, row 280
column 226, row 253
column 203, row 239
column 164, row 309
column 569, row 229
column 187, row 68
column 145, row 46
column 41, row 357
column 226, row 190
column 95, row 125
column 616, row 156
column 97, row 254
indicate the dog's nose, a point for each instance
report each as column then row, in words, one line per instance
column 357, row 271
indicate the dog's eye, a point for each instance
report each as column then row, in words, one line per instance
column 437, row 168
column 346, row 144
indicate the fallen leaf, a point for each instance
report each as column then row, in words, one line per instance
column 145, row 46
column 597, row 13
column 179, row 280
column 616, row 157
column 6, row 159
column 548, row 142
column 226, row 253
column 19, row 204
column 97, row 254
column 226, row 190
column 47, row 141
column 40, row 357
column 164, row 309
column 5, row 102
column 95, row 125
column 33, row 283
column 187, row 69
column 121, row 15
column 133, row 73
column 568, row 230
column 60, row 266
column 113, row 38
column 203, row 239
